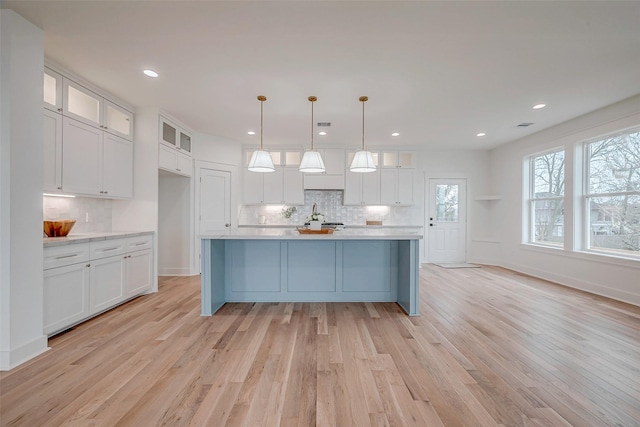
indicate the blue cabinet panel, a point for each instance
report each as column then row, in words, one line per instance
column 254, row 265
column 366, row 266
column 311, row 266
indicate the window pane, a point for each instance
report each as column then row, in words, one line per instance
column 614, row 164
column 548, row 221
column 548, row 175
column 447, row 202
column 614, row 223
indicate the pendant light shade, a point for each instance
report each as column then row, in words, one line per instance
column 312, row 160
column 363, row 160
column 261, row 159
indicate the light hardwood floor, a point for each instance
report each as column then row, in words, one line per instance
column 492, row 347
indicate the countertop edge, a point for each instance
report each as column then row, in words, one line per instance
column 49, row 242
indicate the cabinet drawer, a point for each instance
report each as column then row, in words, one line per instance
column 107, row 248
column 59, row 256
column 139, row 243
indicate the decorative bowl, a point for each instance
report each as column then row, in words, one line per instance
column 58, row 228
column 310, row 231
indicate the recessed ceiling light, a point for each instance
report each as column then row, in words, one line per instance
column 150, row 73
column 395, row 134
column 539, row 106
column 251, row 132
column 322, row 133
column 481, row 134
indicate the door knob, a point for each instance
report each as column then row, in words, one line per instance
column 430, row 225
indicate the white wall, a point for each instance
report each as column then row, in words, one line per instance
column 21, row 175
column 609, row 276
column 471, row 165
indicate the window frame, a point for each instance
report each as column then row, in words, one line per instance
column 532, row 199
column 587, row 195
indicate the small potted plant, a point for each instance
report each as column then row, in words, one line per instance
column 315, row 219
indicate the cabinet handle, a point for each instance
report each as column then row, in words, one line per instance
column 106, row 127
column 106, row 192
column 60, row 188
column 60, row 109
column 109, row 249
column 88, row 265
column 140, row 244
column 66, row 256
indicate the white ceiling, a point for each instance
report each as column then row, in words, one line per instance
column 437, row 72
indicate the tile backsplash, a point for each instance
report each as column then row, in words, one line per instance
column 330, row 204
column 91, row 215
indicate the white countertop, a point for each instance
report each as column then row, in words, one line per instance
column 288, row 234
column 342, row 226
column 74, row 238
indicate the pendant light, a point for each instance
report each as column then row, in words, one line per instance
column 312, row 160
column 363, row 160
column 261, row 159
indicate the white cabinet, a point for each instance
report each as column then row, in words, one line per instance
column 52, row 90
column 175, row 148
column 66, row 296
column 333, row 176
column 52, row 131
column 90, row 108
column 65, row 286
column 283, row 186
column 397, row 159
column 396, row 187
column 94, row 162
column 174, row 136
column 174, row 161
column 362, row 188
column 88, row 141
column 81, row 280
column 107, row 283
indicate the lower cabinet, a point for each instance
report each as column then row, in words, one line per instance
column 85, row 279
column 66, row 296
column 107, row 282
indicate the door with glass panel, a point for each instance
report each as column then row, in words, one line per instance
column 447, row 221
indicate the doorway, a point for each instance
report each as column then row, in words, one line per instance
column 447, row 220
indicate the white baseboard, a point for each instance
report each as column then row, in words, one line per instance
column 174, row 272
column 10, row 359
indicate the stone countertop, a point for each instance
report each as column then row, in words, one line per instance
column 90, row 237
column 346, row 226
column 287, row 234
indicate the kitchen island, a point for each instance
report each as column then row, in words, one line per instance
column 280, row 265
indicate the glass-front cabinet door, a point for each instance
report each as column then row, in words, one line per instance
column 52, row 90
column 185, row 141
column 118, row 121
column 169, row 133
column 82, row 104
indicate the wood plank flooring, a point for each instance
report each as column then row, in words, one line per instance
column 492, row 347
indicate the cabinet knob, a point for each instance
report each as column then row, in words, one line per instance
column 60, row 188
column 227, row 225
column 88, row 265
column 60, row 109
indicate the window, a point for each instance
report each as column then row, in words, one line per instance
column 546, row 198
column 447, row 202
column 612, row 193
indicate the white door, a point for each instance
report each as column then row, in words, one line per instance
column 447, row 221
column 215, row 200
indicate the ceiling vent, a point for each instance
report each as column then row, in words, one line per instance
column 524, row 125
column 324, row 124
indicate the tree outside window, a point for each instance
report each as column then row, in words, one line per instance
column 612, row 196
column 547, row 198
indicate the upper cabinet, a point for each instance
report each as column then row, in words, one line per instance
column 174, row 136
column 362, row 188
column 398, row 159
column 283, row 186
column 88, row 107
column 52, row 90
column 175, row 148
column 88, row 141
column 333, row 176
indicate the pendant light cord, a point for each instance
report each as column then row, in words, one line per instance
column 363, row 99
column 261, row 98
